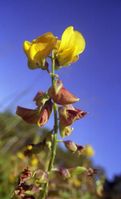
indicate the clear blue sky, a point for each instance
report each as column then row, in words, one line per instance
column 95, row 78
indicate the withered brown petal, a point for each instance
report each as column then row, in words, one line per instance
column 35, row 116
column 38, row 98
column 63, row 97
column 45, row 113
column 29, row 115
column 68, row 116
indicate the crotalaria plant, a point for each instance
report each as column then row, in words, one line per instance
column 58, row 99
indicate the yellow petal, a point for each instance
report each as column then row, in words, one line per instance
column 43, row 45
column 71, row 45
column 79, row 43
column 45, row 37
column 26, row 47
column 39, row 49
column 66, row 38
column 57, row 44
column 67, row 57
column 88, row 151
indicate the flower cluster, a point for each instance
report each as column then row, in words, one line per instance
column 66, row 50
column 44, row 103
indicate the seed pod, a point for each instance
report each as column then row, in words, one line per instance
column 71, row 146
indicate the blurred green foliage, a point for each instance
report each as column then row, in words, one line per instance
column 15, row 135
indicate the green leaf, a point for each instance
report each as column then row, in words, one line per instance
column 78, row 170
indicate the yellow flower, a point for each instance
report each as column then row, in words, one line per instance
column 69, row 47
column 20, row 155
column 38, row 50
column 88, row 151
column 34, row 161
column 29, row 147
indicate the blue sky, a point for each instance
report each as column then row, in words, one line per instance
column 95, row 78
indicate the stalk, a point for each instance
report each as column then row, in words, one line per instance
column 54, row 141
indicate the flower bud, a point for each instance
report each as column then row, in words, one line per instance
column 77, row 170
column 48, row 141
column 65, row 130
column 71, row 146
column 64, row 173
column 87, row 150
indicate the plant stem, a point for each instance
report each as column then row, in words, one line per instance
column 54, row 141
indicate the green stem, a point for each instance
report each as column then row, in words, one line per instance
column 54, row 141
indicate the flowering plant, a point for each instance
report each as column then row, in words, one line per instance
column 57, row 99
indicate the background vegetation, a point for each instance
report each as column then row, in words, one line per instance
column 16, row 135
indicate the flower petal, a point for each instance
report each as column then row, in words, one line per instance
column 66, row 38
column 79, row 43
column 68, row 49
column 39, row 49
column 42, row 46
column 61, row 95
column 29, row 115
column 68, row 115
column 35, row 116
column 26, row 47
